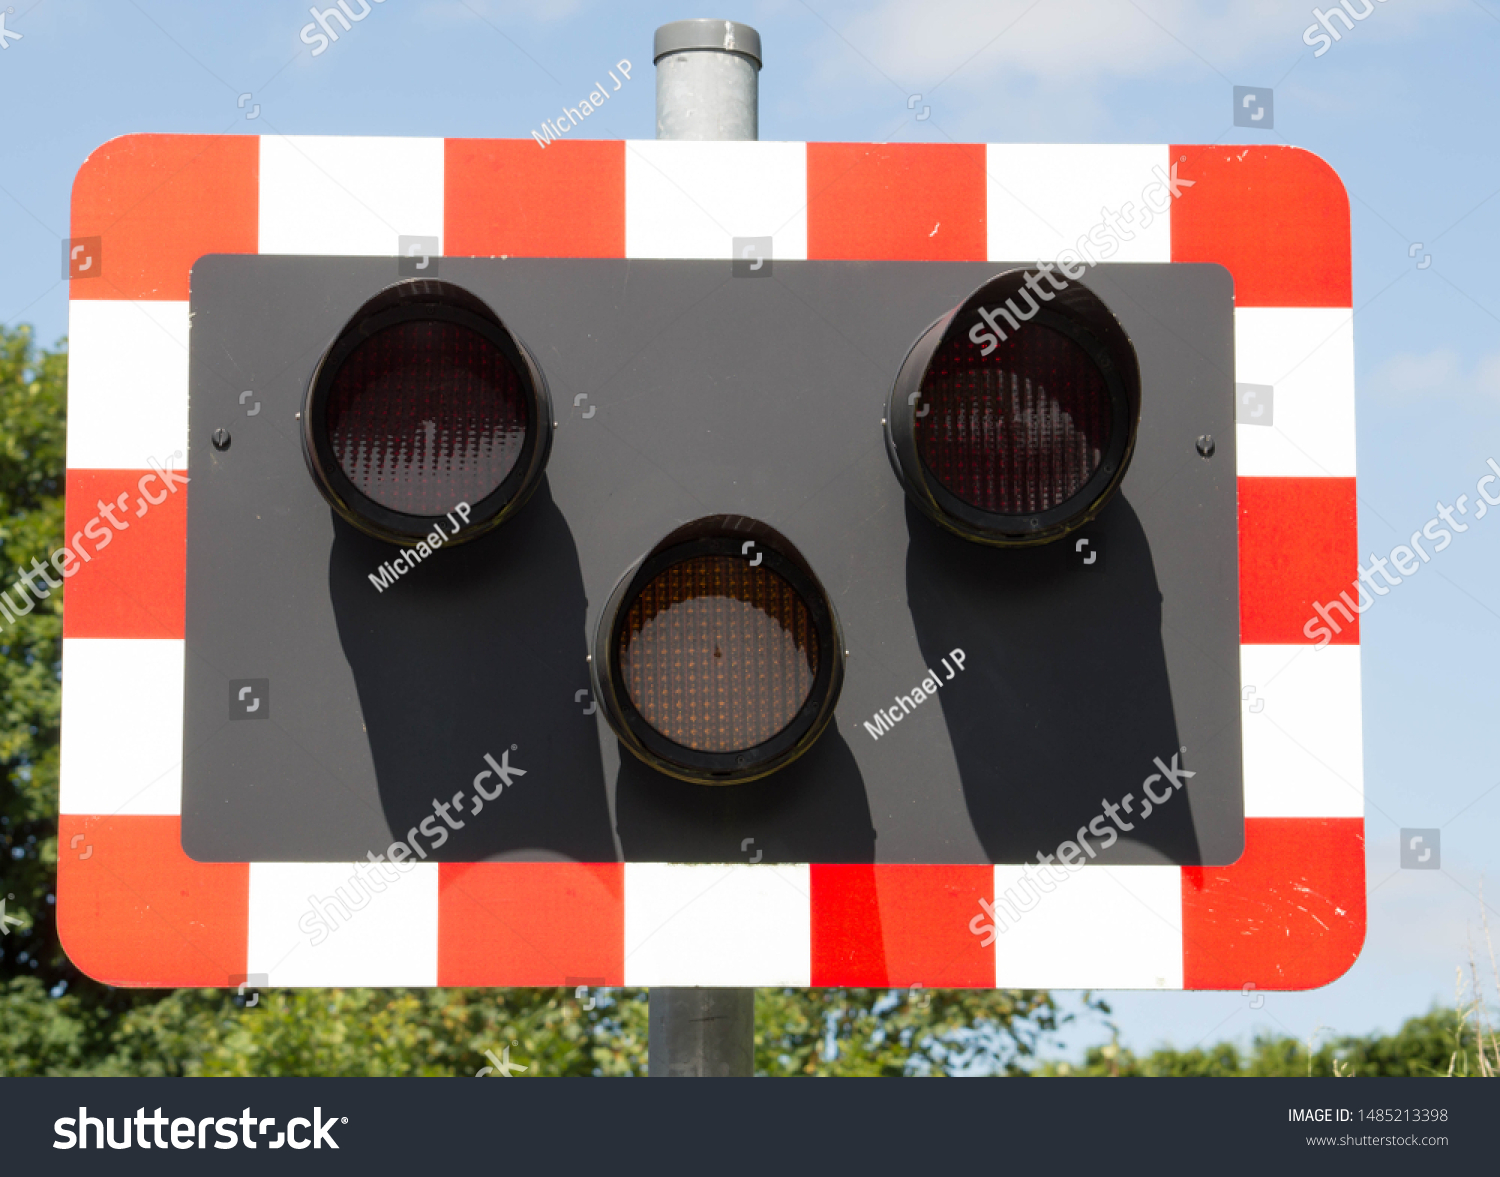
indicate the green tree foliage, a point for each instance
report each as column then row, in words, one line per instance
column 351, row 1032
column 365, row 1032
column 1427, row 1045
column 891, row 1033
column 31, row 524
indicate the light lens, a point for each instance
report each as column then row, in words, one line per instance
column 1015, row 428
column 1017, row 432
column 718, row 659
column 426, row 408
column 425, row 415
column 718, row 656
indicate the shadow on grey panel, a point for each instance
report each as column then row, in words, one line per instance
column 813, row 810
column 1064, row 700
column 441, row 685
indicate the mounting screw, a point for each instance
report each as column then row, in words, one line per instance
column 221, row 439
column 1206, row 445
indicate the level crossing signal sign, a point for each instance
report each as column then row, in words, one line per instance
column 708, row 563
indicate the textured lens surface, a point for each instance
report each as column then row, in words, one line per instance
column 718, row 656
column 426, row 415
column 1018, row 431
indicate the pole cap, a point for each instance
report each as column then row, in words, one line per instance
column 727, row 36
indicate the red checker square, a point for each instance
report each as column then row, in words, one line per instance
column 896, row 201
column 160, row 202
column 1299, row 548
column 531, row 923
column 133, row 584
column 899, row 925
column 1276, row 217
column 509, row 197
column 1290, row 914
column 133, row 909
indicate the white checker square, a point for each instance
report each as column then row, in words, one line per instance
column 127, row 383
column 1307, row 355
column 1303, row 748
column 1101, row 927
column 344, row 923
column 725, row 924
column 121, row 746
column 346, row 196
column 690, row 199
column 1043, row 197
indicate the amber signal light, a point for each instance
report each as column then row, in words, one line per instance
column 718, row 657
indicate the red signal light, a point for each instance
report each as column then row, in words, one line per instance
column 1013, row 428
column 423, row 402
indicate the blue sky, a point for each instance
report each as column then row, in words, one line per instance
column 1404, row 107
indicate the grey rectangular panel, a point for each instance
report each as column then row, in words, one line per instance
column 682, row 391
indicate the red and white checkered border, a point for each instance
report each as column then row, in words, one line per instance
column 134, row 910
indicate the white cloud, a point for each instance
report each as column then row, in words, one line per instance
column 1069, row 42
column 1065, row 39
column 1440, row 373
column 506, row 12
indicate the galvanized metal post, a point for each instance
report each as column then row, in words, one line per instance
column 702, row 1033
column 707, row 80
column 707, row 87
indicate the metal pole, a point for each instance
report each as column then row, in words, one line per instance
column 702, row 1033
column 707, row 80
column 707, row 87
